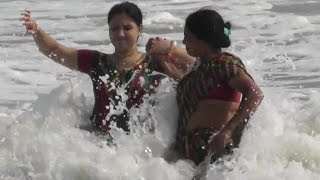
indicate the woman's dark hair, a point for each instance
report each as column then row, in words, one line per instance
column 127, row 8
column 208, row 25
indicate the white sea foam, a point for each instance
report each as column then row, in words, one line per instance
column 45, row 108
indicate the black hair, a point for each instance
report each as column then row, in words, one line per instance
column 208, row 25
column 127, row 8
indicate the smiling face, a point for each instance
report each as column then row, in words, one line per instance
column 194, row 46
column 123, row 32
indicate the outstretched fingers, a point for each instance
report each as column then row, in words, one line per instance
column 25, row 18
column 28, row 22
column 26, row 13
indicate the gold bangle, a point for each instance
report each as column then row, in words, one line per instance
column 172, row 44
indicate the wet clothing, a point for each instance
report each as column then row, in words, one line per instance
column 197, row 140
column 209, row 80
column 225, row 93
column 107, row 83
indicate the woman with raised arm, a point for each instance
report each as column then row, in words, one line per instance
column 125, row 67
column 217, row 96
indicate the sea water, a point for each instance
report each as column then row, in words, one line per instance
column 45, row 107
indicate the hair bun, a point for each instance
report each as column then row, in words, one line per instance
column 227, row 25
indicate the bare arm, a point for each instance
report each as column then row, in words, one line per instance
column 173, row 59
column 181, row 59
column 61, row 54
column 251, row 99
column 168, row 67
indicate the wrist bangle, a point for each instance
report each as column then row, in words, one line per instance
column 172, row 44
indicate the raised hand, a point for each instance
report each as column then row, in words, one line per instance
column 28, row 22
column 158, row 46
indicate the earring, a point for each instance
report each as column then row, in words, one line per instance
column 140, row 35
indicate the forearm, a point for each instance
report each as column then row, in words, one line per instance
column 171, row 70
column 181, row 59
column 177, row 58
column 55, row 51
column 49, row 46
column 248, row 106
column 46, row 44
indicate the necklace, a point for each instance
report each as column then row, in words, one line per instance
column 126, row 65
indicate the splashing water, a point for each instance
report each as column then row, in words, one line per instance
column 45, row 108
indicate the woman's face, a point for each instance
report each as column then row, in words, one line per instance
column 194, row 46
column 123, row 32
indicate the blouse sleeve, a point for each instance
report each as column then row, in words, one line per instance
column 87, row 59
column 226, row 70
